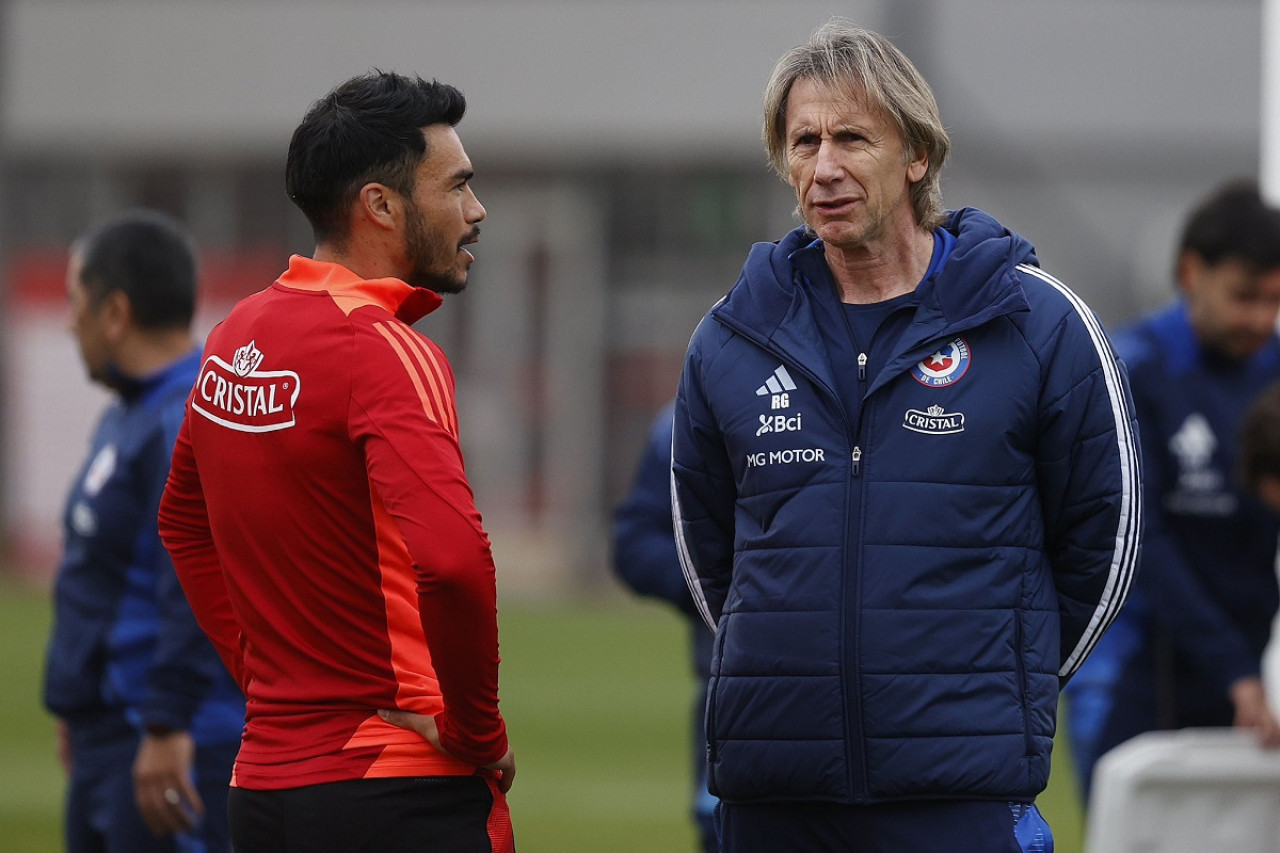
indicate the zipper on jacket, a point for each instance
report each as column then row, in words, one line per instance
column 862, row 390
column 853, row 728
column 859, row 778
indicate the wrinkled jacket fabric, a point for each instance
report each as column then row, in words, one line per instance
column 897, row 591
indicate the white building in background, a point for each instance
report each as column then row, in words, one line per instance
column 617, row 147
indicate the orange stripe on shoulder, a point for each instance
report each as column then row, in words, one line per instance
column 441, row 392
column 451, row 411
column 429, row 405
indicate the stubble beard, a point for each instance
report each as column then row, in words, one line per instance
column 435, row 267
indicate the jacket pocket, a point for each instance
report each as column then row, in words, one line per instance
column 709, row 711
column 1020, row 667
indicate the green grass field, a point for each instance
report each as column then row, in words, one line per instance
column 597, row 698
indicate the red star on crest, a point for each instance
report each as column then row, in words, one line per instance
column 938, row 362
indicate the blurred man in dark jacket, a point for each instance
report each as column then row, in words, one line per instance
column 148, row 716
column 1187, row 650
column 644, row 556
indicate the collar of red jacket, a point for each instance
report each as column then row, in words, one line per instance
column 408, row 303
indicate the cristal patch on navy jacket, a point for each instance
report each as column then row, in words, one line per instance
column 934, row 421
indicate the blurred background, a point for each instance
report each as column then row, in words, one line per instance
column 617, row 150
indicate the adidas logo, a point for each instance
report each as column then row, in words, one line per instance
column 777, row 383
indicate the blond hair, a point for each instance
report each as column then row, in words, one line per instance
column 843, row 56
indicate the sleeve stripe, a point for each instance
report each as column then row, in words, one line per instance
column 1125, row 553
column 682, row 550
column 429, row 404
column 446, row 393
column 440, row 389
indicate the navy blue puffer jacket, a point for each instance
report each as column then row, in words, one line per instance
column 898, row 591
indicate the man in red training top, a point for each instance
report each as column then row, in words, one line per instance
column 318, row 514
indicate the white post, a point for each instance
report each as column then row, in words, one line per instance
column 1269, row 148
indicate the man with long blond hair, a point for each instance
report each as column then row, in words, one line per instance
column 905, row 481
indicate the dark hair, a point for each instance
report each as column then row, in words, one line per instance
column 367, row 129
column 151, row 258
column 1234, row 223
column 1260, row 438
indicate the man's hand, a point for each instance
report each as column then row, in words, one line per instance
column 425, row 725
column 64, row 746
column 1252, row 711
column 162, row 785
column 506, row 767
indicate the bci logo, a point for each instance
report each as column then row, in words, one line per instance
column 779, row 423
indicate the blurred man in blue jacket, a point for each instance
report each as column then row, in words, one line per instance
column 149, row 719
column 1187, row 651
column 906, row 488
column 644, row 556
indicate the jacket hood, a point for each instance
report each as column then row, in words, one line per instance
column 978, row 281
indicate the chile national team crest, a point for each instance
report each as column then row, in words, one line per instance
column 945, row 367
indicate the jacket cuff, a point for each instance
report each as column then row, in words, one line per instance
column 163, row 721
column 169, row 711
column 472, row 750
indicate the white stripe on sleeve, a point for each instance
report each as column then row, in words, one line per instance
column 1124, row 556
column 682, row 549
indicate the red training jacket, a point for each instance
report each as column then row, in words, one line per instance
column 322, row 526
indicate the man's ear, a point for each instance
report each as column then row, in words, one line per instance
column 115, row 313
column 378, row 205
column 917, row 167
column 1187, row 270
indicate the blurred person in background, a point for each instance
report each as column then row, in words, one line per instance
column 1187, row 650
column 644, row 556
column 149, row 718
column 906, row 489
column 319, row 515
